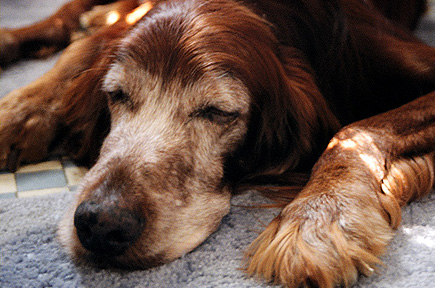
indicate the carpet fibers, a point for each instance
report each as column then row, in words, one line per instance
column 30, row 255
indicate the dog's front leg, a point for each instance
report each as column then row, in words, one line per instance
column 345, row 216
column 46, row 36
column 26, row 129
column 64, row 103
column 29, row 120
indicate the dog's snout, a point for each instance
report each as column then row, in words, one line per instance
column 106, row 229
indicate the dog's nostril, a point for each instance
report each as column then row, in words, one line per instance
column 85, row 231
column 117, row 236
column 106, row 230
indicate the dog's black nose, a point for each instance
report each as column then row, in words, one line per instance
column 106, row 230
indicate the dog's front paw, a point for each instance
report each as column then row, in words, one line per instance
column 320, row 240
column 27, row 128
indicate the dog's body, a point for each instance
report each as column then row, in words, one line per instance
column 203, row 96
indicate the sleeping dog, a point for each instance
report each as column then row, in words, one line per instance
column 328, row 106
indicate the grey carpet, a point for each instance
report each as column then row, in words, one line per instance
column 30, row 256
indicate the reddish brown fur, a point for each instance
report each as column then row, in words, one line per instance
column 203, row 96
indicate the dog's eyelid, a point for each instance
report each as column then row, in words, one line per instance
column 118, row 96
column 216, row 115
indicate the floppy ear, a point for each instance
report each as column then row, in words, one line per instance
column 84, row 108
column 87, row 117
column 291, row 122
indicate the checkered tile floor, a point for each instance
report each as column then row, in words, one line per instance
column 56, row 175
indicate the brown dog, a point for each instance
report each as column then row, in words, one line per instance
column 177, row 109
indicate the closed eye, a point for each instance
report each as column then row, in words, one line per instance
column 216, row 115
column 119, row 96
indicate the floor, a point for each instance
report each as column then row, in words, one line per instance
column 55, row 175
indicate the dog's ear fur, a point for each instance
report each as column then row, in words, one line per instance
column 84, row 109
column 288, row 110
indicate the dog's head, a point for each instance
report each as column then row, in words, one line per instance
column 194, row 91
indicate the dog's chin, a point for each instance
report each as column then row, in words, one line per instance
column 82, row 257
column 131, row 259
